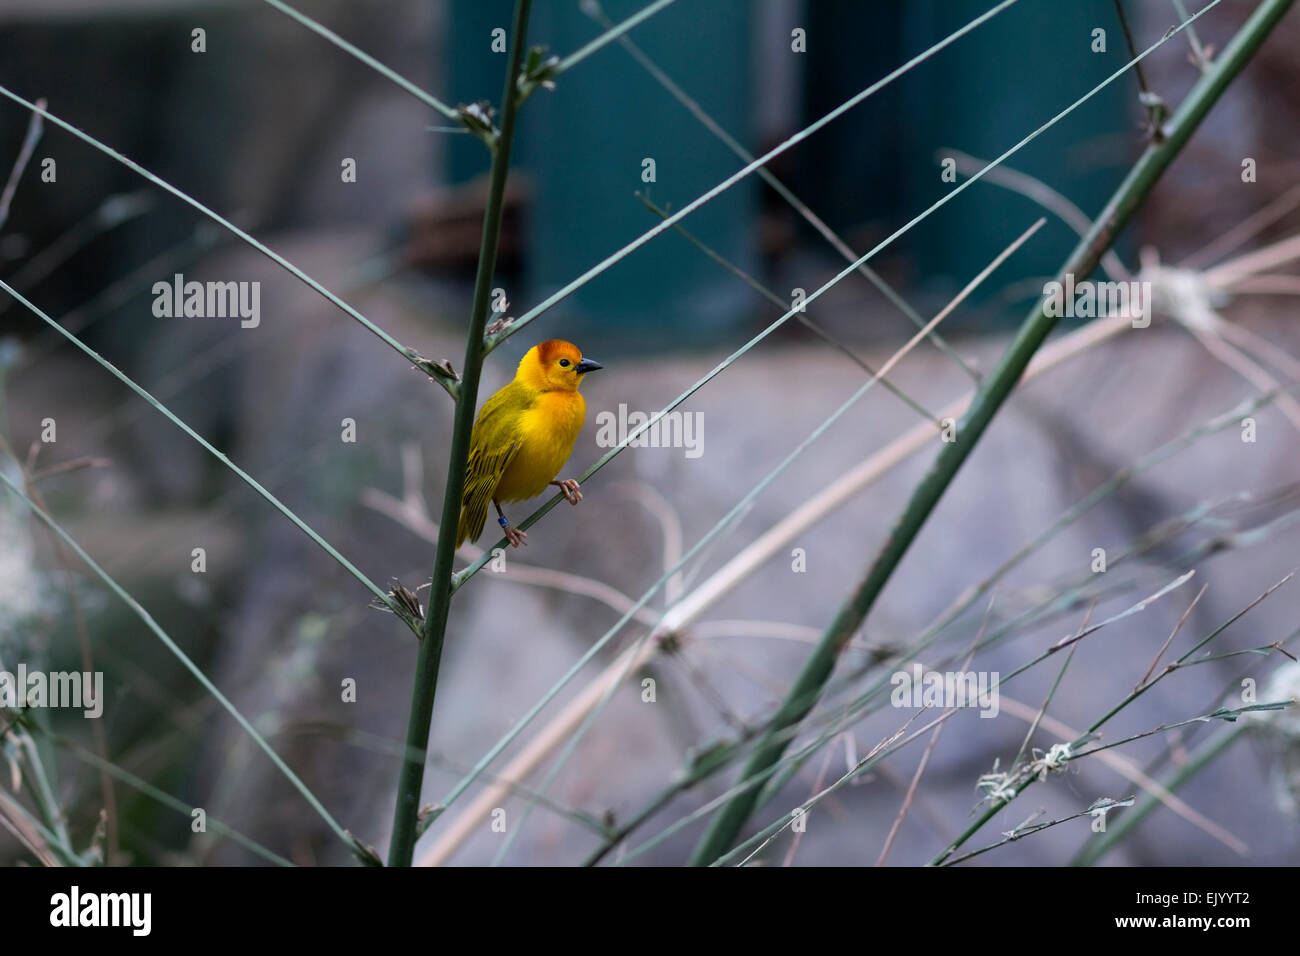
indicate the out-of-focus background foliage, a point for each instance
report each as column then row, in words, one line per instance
column 257, row 128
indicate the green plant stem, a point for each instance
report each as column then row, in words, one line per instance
column 411, row 779
column 806, row 689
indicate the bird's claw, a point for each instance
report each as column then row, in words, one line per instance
column 570, row 488
column 515, row 536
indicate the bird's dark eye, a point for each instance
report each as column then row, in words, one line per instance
column 564, row 363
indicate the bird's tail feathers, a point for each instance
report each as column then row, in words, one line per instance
column 470, row 526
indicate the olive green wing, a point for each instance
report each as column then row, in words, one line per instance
column 493, row 445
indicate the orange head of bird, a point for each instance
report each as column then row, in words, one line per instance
column 554, row 365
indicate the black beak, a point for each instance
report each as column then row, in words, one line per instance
column 587, row 365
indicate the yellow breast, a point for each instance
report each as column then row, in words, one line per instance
column 548, row 431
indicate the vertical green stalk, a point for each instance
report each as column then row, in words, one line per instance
column 411, row 779
column 807, row 688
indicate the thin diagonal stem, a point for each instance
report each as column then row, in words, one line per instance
column 924, row 762
column 1037, row 191
column 193, row 668
column 1025, row 830
column 609, row 36
column 169, row 801
column 1094, row 849
column 1170, row 668
column 780, row 303
column 323, row 31
column 219, row 455
column 217, row 218
column 1199, row 54
column 25, row 151
column 1132, row 48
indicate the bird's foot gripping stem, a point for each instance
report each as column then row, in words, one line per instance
column 513, row 534
column 570, row 488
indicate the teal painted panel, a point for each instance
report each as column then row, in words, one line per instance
column 986, row 92
column 584, row 145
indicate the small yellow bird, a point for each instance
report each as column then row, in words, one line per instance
column 523, row 436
